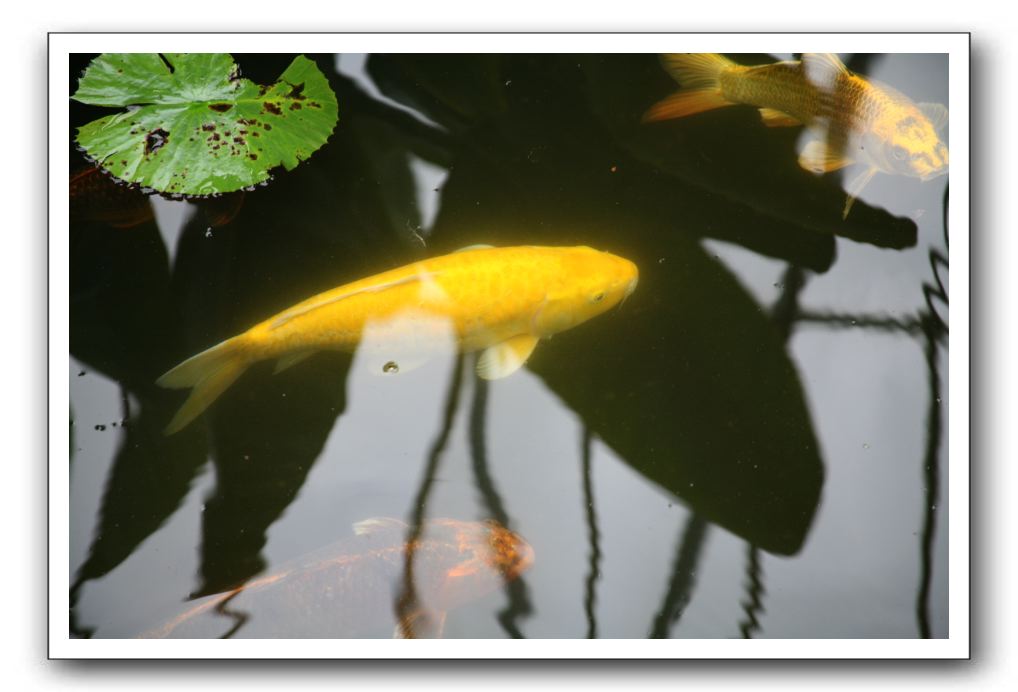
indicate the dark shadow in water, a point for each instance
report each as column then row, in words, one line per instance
column 516, row 589
column 262, row 453
column 148, row 481
column 339, row 216
column 329, row 221
column 729, row 152
column 786, row 310
column 594, row 573
column 407, row 601
column 680, row 587
column 689, row 383
column 532, row 138
column 707, row 405
column 124, row 325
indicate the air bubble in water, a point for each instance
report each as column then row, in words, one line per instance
column 390, row 367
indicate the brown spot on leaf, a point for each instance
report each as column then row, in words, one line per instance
column 295, row 106
column 208, row 127
column 272, row 108
column 155, row 140
column 220, row 107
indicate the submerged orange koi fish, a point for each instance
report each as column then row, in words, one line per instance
column 858, row 120
column 497, row 300
column 348, row 589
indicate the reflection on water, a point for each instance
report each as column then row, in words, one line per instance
column 750, row 445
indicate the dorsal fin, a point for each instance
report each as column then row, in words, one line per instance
column 367, row 527
column 823, row 69
column 329, row 300
column 936, row 113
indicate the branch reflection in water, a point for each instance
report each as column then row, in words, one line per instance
column 753, row 604
column 680, row 589
column 516, row 589
column 595, row 549
column 407, row 600
column 928, row 326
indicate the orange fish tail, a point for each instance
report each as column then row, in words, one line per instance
column 700, row 75
column 685, row 103
column 696, row 70
column 208, row 374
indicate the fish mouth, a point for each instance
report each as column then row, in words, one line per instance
column 935, row 173
column 632, row 286
column 524, row 558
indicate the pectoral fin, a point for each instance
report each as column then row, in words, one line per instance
column 505, row 358
column 291, row 359
column 776, row 118
column 817, row 157
column 855, row 187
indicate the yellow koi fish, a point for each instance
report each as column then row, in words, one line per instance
column 858, row 120
column 349, row 589
column 497, row 300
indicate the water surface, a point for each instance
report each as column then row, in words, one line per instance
column 753, row 445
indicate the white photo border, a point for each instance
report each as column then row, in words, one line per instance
column 956, row 646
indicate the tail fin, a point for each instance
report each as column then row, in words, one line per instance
column 209, row 373
column 696, row 70
column 699, row 74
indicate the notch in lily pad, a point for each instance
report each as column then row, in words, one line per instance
column 192, row 126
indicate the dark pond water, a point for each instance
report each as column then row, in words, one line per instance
column 752, row 445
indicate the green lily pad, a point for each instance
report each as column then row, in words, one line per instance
column 194, row 127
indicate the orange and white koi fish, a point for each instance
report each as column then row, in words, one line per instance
column 348, row 589
column 500, row 301
column 858, row 120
